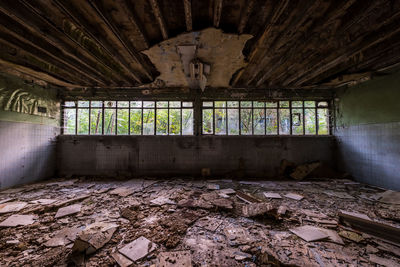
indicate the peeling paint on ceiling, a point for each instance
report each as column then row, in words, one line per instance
column 222, row 51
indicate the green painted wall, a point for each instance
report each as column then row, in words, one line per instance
column 375, row 101
column 19, row 102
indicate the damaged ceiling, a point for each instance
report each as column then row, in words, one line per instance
column 248, row 44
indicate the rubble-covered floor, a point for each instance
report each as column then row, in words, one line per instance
column 89, row 222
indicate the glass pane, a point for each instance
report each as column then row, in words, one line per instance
column 96, row 121
column 123, row 104
column 208, row 125
column 162, row 121
column 220, row 121
column 174, row 121
column 233, row 104
column 284, row 121
column 258, row 104
column 83, row 121
column 207, row 104
column 233, row 121
column 110, row 104
column 187, row 104
column 69, row 104
column 323, row 121
column 271, row 104
column 69, row 121
column 284, row 104
column 136, row 121
column 136, row 104
column 109, row 121
column 96, row 104
column 271, row 121
column 220, row 104
column 148, row 121
column 297, row 104
column 162, row 104
column 309, row 104
column 297, row 121
column 83, row 104
column 148, row 104
column 259, row 121
column 245, row 103
column 187, row 122
column 323, row 104
column 310, row 121
column 246, row 121
column 174, row 104
column 123, row 121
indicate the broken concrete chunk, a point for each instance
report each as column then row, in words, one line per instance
column 209, row 223
column 94, row 237
column 272, row 195
column 351, row 236
column 162, row 200
column 69, row 210
column 390, row 197
column 237, row 235
column 239, row 256
column 256, row 209
column 138, row 249
column 12, row 207
column 309, row 233
column 123, row 191
column 294, row 196
column 282, row 210
column 16, row 220
column 222, row 203
column 121, row 259
column 302, row 171
column 63, row 237
column 382, row 261
column 174, row 258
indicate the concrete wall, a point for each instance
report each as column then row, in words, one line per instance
column 368, row 131
column 167, row 156
column 27, row 137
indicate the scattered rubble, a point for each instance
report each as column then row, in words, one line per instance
column 174, row 258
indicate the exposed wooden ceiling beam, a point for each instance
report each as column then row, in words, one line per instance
column 187, row 4
column 217, row 12
column 159, row 17
column 244, row 17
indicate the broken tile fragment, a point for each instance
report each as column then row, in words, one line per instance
column 12, row 207
column 383, row 261
column 227, row 191
column 69, row 210
column 174, row 258
column 272, row 195
column 138, row 248
column 239, row 256
column 343, row 195
column 256, row 209
column 294, row 196
column 43, row 201
column 351, row 236
column 209, row 223
column 6, row 200
column 94, row 237
column 390, row 197
column 237, row 235
column 212, row 186
column 309, row 233
column 332, row 236
column 123, row 191
column 63, row 237
column 121, row 259
column 17, row 220
column 162, row 200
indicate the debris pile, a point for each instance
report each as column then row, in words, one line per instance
column 177, row 222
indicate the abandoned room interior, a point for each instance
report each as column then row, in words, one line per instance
column 200, row 133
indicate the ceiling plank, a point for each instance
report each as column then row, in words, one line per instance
column 244, row 18
column 217, row 12
column 159, row 17
column 188, row 14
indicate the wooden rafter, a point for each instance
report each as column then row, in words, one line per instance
column 159, row 17
column 187, row 4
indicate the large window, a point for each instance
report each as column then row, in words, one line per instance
column 265, row 118
column 128, row 117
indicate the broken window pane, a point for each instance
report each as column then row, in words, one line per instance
column 233, row 121
column 136, row 121
column 123, row 121
column 245, row 104
column 220, row 104
column 83, row 104
column 284, row 104
column 323, row 121
column 284, row 121
column 323, row 104
column 96, row 104
column 271, row 121
column 246, row 121
column 208, row 127
column 259, row 121
column 310, row 121
column 69, row 121
column 110, row 104
column 96, row 121
column 148, row 104
column 148, row 121
column 136, row 104
column 187, row 121
column 207, row 104
column 162, row 121
column 83, row 121
column 297, row 121
column 123, row 104
column 233, row 104
column 109, row 121
column 220, row 121
column 174, row 121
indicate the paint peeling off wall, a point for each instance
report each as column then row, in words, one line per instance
column 222, row 51
column 19, row 97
